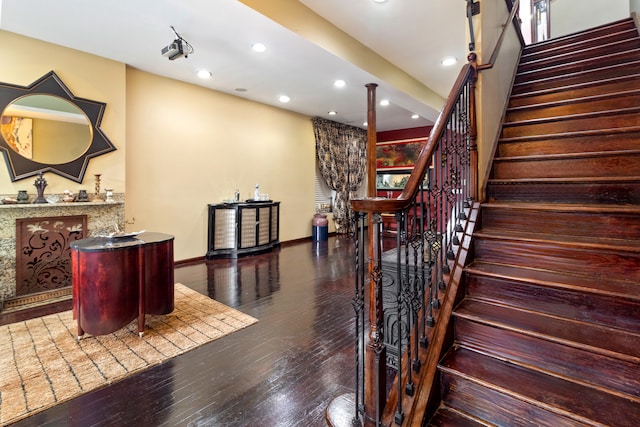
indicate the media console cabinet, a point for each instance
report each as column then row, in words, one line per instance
column 238, row 229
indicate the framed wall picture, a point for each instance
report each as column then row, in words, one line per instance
column 398, row 154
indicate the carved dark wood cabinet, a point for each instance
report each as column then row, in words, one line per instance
column 118, row 280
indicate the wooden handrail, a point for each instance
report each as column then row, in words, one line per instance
column 412, row 186
column 374, row 204
column 494, row 55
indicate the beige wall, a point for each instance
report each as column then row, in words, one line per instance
column 568, row 17
column 179, row 146
column 189, row 146
column 87, row 76
column 494, row 85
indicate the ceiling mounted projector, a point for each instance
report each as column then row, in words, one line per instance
column 174, row 50
column 179, row 47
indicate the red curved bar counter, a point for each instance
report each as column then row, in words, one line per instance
column 116, row 280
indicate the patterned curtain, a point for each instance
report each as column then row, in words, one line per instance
column 342, row 159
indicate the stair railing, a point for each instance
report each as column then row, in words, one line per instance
column 399, row 292
column 428, row 216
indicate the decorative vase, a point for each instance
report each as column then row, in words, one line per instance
column 320, row 220
column 23, row 197
column 82, row 196
column 320, row 228
column 108, row 193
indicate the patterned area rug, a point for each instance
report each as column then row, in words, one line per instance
column 43, row 364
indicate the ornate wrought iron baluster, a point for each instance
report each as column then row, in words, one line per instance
column 401, row 223
column 418, row 289
column 377, row 335
column 358, row 306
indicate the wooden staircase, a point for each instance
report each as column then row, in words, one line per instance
column 548, row 332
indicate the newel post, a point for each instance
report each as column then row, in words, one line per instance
column 473, row 129
column 372, row 139
column 375, row 355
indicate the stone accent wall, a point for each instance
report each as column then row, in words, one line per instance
column 101, row 218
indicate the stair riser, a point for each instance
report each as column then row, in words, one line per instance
column 545, row 255
column 606, row 165
column 577, row 40
column 598, row 308
column 571, row 92
column 616, row 58
column 510, row 130
column 621, row 193
column 611, row 36
column 495, row 407
column 561, row 80
column 628, row 100
column 548, row 356
column 579, row 54
column 594, row 224
column 578, row 144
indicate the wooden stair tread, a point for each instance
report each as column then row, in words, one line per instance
column 616, row 343
column 565, row 207
column 575, row 100
column 580, row 64
column 576, row 37
column 450, row 417
column 610, row 244
column 577, row 86
column 615, row 34
column 577, row 218
column 589, row 115
column 557, row 279
column 569, row 156
column 612, row 46
column 623, row 190
column 553, row 394
column 574, row 134
column 587, row 179
column 620, row 70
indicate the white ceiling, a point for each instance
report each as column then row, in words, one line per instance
column 413, row 35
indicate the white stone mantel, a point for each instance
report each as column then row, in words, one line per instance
column 101, row 218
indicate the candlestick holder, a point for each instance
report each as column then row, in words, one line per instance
column 40, row 185
column 96, row 196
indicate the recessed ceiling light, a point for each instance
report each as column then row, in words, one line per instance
column 204, row 74
column 284, row 98
column 415, row 116
column 258, row 47
column 339, row 83
column 448, row 61
column 379, row 1
column 384, row 102
column 333, row 113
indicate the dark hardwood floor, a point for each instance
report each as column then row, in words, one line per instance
column 282, row 371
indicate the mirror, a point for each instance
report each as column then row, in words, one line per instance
column 44, row 127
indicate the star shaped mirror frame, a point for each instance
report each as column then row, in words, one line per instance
column 45, row 128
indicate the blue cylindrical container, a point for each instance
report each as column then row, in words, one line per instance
column 319, row 228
